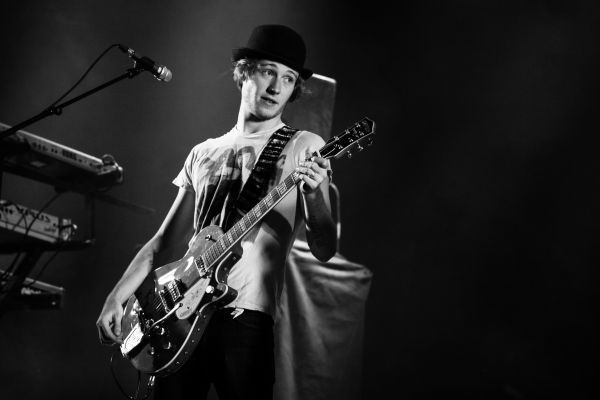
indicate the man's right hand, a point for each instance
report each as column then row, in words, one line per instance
column 109, row 322
column 175, row 229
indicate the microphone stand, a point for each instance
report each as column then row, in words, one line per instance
column 58, row 109
column 13, row 283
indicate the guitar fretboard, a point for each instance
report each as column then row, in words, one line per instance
column 252, row 217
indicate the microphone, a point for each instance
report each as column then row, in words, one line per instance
column 161, row 72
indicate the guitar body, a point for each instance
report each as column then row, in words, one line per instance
column 164, row 321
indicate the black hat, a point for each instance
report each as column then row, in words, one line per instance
column 277, row 43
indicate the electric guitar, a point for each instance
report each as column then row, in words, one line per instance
column 165, row 319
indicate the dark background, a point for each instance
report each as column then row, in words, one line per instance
column 476, row 209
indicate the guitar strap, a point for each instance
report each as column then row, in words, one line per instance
column 258, row 182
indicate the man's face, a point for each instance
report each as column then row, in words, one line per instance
column 266, row 91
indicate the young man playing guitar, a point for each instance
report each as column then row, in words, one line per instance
column 235, row 352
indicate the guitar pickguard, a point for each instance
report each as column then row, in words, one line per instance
column 192, row 298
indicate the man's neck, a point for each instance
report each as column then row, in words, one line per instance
column 246, row 124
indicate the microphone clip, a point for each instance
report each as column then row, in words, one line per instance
column 160, row 72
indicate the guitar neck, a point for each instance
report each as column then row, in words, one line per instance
column 253, row 217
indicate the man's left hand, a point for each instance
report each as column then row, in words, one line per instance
column 313, row 172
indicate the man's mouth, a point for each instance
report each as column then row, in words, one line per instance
column 269, row 101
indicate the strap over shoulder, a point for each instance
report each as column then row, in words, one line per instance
column 258, row 182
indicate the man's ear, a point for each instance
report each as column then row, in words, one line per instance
column 295, row 94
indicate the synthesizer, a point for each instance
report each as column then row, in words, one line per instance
column 31, row 223
column 38, row 158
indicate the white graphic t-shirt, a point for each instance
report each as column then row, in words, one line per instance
column 216, row 170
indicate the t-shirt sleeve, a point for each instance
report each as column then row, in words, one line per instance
column 184, row 178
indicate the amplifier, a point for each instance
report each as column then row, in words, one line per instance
column 17, row 218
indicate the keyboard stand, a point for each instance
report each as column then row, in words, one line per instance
column 13, row 284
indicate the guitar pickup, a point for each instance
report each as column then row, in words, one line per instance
column 171, row 294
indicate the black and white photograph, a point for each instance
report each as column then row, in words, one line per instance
column 299, row 200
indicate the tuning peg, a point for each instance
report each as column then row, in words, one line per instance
column 349, row 155
column 359, row 147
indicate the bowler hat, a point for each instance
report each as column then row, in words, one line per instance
column 277, row 43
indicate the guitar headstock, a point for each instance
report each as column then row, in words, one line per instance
column 354, row 138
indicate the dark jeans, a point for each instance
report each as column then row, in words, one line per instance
column 235, row 354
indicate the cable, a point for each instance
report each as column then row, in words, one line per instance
column 58, row 249
column 39, row 274
column 149, row 385
column 18, row 255
column 84, row 75
column 50, row 106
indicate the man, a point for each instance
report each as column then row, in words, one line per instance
column 236, row 350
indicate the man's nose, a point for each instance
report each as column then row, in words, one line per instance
column 274, row 86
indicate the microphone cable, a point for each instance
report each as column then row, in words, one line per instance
column 18, row 255
column 83, row 76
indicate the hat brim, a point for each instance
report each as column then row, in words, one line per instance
column 244, row 52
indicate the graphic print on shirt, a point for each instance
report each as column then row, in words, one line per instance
column 223, row 175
